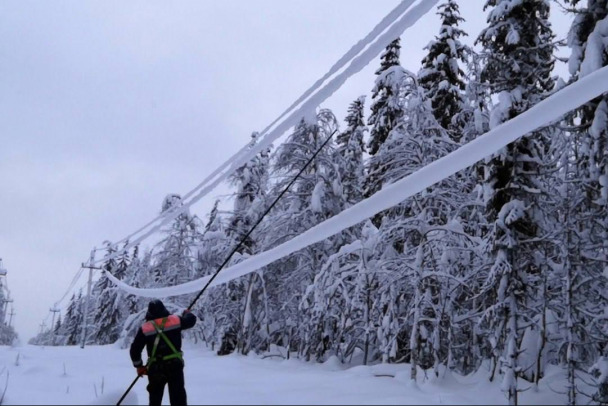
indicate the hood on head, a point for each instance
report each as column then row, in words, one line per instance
column 156, row 309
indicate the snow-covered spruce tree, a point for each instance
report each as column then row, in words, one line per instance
column 366, row 283
column 463, row 252
column 247, row 293
column 518, row 44
column 216, row 320
column 472, row 121
column 76, row 320
column 576, row 302
column 132, row 277
column 70, row 331
column 350, row 148
column 441, row 74
column 393, row 297
column 385, row 111
column 72, row 321
column 460, row 104
column 110, row 312
column 315, row 196
column 341, row 296
column 8, row 335
column 174, row 260
column 251, row 181
column 588, row 40
column 412, row 295
column 457, row 261
column 338, row 303
column 474, row 118
column 101, row 291
column 138, row 275
column 539, row 344
column 57, row 337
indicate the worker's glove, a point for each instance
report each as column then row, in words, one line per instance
column 142, row 370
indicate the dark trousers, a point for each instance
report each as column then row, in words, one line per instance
column 169, row 373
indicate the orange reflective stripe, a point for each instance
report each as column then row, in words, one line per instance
column 172, row 323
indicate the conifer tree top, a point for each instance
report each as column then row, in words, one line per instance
column 390, row 56
column 518, row 41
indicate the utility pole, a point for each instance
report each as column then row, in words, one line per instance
column 12, row 313
column 42, row 326
column 88, row 297
column 53, row 309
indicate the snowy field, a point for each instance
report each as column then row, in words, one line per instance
column 100, row 375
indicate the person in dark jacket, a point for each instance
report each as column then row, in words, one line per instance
column 161, row 334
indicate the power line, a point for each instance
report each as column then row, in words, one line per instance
column 359, row 55
column 544, row 112
column 71, row 285
column 235, row 249
column 67, row 291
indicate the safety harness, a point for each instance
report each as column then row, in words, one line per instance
column 158, row 327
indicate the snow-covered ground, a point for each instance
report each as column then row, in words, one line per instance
column 100, row 375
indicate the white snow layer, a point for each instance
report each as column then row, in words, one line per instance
column 597, row 44
column 541, row 114
column 359, row 60
column 99, row 375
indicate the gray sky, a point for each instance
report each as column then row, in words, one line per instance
column 107, row 106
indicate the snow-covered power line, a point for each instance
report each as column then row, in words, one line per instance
column 71, row 286
column 354, row 51
column 547, row 111
column 162, row 217
column 391, row 27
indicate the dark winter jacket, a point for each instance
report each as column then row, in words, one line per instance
column 157, row 310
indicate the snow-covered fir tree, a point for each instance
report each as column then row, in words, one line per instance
column 216, row 320
column 72, row 321
column 519, row 48
column 588, row 41
column 335, row 298
column 109, row 309
column 314, row 196
column 386, row 110
column 441, row 74
column 350, row 148
column 244, row 297
column 410, row 296
column 175, row 256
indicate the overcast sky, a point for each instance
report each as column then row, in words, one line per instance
column 107, row 106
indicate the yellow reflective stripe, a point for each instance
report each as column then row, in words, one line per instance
column 156, row 341
column 171, row 356
column 160, row 334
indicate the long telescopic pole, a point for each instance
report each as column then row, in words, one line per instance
column 241, row 242
column 234, row 251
